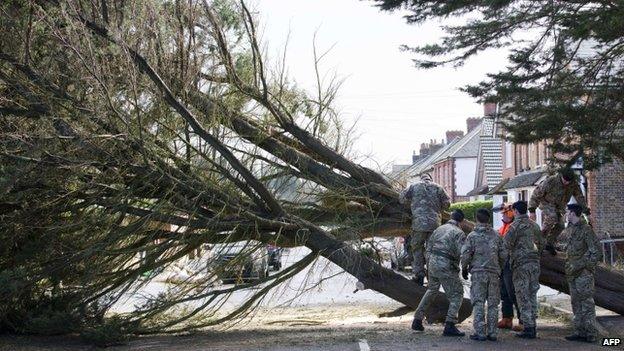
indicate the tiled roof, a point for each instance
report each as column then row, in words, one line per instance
column 482, row 190
column 524, row 180
column 487, row 127
column 491, row 153
column 499, row 188
column 426, row 163
column 466, row 146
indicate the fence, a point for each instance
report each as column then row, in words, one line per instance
column 610, row 252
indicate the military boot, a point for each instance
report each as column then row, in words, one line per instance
column 451, row 330
column 417, row 325
column 477, row 337
column 505, row 323
column 527, row 333
column 575, row 337
column 551, row 249
column 518, row 327
column 420, row 280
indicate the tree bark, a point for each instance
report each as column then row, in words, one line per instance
column 378, row 278
column 609, row 283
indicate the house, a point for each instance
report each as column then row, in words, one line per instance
column 526, row 166
column 605, row 196
column 489, row 157
column 454, row 169
column 452, row 165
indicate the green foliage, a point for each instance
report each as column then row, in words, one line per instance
column 112, row 331
column 565, row 79
column 470, row 208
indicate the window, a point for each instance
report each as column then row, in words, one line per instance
column 531, row 162
column 508, row 154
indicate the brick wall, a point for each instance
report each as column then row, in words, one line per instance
column 472, row 123
column 606, row 199
column 444, row 175
column 452, row 134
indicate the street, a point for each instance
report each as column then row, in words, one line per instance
column 323, row 283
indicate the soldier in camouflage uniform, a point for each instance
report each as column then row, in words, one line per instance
column 524, row 242
column 483, row 255
column 552, row 196
column 583, row 253
column 427, row 200
column 443, row 254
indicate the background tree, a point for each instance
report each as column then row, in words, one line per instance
column 564, row 79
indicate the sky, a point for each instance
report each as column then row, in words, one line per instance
column 397, row 106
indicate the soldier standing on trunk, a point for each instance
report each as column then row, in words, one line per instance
column 552, row 196
column 427, row 201
column 443, row 254
column 583, row 253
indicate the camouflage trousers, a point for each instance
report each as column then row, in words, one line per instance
column 485, row 287
column 419, row 238
column 552, row 224
column 453, row 288
column 526, row 284
column 583, row 307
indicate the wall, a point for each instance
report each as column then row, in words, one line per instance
column 497, row 217
column 606, row 199
column 508, row 160
column 443, row 175
column 514, row 195
column 465, row 171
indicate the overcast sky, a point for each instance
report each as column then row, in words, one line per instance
column 398, row 106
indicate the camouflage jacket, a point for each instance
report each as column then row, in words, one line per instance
column 582, row 248
column 551, row 192
column 444, row 246
column 524, row 241
column 483, row 251
column 427, row 201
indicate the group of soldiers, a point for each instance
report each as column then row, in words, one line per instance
column 504, row 264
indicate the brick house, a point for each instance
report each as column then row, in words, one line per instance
column 454, row 169
column 605, row 195
column 526, row 166
column 452, row 165
column 489, row 156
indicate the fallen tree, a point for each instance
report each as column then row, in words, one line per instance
column 134, row 136
column 140, row 132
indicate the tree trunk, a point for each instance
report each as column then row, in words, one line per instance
column 609, row 283
column 378, row 278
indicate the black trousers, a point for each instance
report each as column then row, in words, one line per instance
column 508, row 295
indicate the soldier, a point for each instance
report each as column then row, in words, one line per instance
column 508, row 296
column 524, row 243
column 551, row 196
column 583, row 253
column 427, row 200
column 483, row 254
column 443, row 253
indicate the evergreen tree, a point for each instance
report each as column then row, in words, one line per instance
column 564, row 81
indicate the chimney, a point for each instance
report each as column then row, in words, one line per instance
column 415, row 157
column 472, row 123
column 489, row 109
column 435, row 148
column 452, row 134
